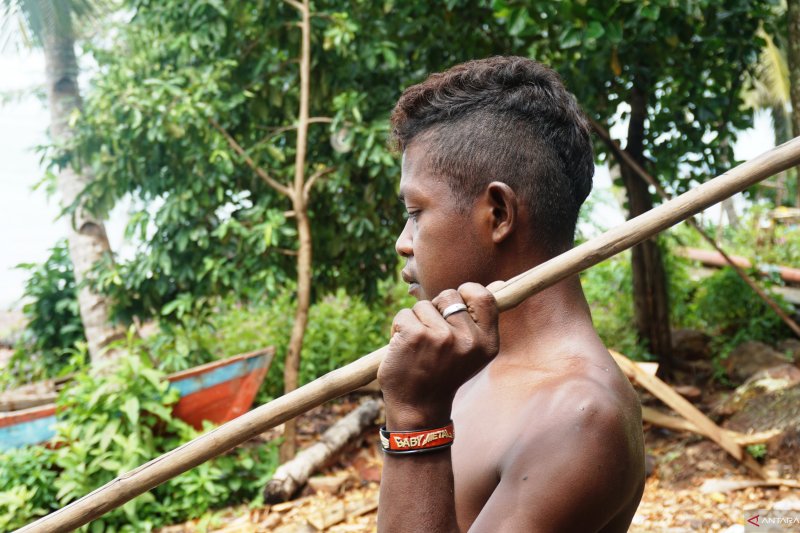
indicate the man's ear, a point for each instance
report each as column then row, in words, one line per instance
column 504, row 207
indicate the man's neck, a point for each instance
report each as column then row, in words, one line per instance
column 545, row 320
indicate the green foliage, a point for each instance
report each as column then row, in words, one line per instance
column 721, row 304
column 53, row 329
column 762, row 240
column 688, row 59
column 727, row 306
column 682, row 289
column 112, row 422
column 26, row 485
column 206, row 223
column 340, row 329
column 757, row 451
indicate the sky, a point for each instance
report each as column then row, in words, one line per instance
column 28, row 218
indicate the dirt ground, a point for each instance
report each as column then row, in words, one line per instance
column 344, row 497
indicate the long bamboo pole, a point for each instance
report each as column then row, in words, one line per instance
column 359, row 373
column 643, row 174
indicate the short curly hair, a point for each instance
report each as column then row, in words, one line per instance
column 507, row 119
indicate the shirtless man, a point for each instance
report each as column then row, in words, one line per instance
column 497, row 160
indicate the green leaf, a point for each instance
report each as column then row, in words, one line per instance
column 131, row 409
column 570, row 38
column 650, row 11
column 594, row 30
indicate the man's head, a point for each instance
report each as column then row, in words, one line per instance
column 494, row 123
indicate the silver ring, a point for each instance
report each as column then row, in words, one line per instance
column 453, row 309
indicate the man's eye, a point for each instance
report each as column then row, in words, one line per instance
column 412, row 214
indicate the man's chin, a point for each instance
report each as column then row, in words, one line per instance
column 415, row 290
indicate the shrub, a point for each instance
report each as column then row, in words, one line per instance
column 26, row 482
column 110, row 423
column 54, row 327
column 340, row 329
column 732, row 311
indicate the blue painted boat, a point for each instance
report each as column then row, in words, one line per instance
column 218, row 392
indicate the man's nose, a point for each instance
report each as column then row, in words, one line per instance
column 403, row 244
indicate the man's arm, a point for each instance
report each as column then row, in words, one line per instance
column 417, row 494
column 570, row 473
column 429, row 358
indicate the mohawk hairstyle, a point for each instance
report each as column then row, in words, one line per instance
column 507, row 119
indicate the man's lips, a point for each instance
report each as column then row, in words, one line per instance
column 413, row 284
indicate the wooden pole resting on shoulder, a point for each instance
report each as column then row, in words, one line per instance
column 359, row 373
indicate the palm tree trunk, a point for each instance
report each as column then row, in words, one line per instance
column 87, row 236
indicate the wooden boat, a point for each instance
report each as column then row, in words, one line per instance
column 218, row 392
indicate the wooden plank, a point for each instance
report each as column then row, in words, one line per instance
column 11, row 402
column 707, row 427
column 657, row 418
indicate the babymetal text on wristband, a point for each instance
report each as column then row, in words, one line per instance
column 417, row 440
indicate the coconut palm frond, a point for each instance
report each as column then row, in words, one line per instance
column 775, row 69
column 769, row 82
column 26, row 22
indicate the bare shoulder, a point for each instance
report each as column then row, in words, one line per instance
column 579, row 447
column 590, row 407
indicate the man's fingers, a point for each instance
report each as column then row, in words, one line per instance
column 405, row 322
column 428, row 314
column 480, row 303
column 445, row 300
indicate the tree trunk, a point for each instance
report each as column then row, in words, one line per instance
column 730, row 212
column 651, row 304
column 793, row 56
column 88, row 242
column 727, row 205
column 292, row 475
column 291, row 367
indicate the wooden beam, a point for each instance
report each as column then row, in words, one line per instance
column 657, row 418
column 681, row 405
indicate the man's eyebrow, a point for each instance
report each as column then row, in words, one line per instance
column 401, row 198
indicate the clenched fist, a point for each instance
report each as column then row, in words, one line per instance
column 430, row 357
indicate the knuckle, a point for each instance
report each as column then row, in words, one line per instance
column 470, row 345
column 401, row 317
column 447, row 338
column 420, row 306
column 447, row 295
column 474, row 292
